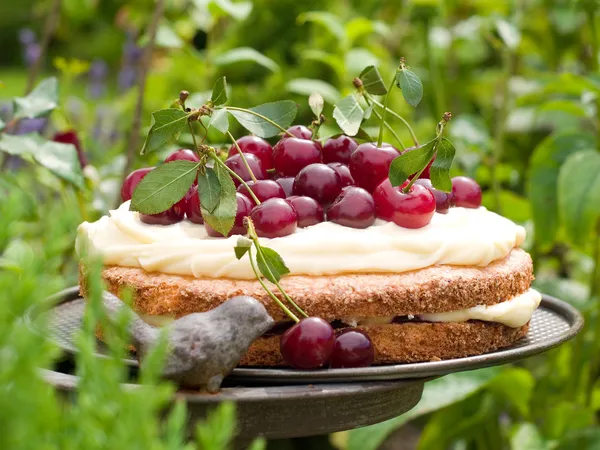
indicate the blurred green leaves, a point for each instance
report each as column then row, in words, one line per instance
column 437, row 394
column 245, row 54
column 579, row 196
column 60, row 159
column 546, row 162
column 40, row 101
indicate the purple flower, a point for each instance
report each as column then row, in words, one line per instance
column 126, row 78
column 26, row 126
column 27, row 36
column 97, row 75
column 5, row 111
column 31, row 53
column 132, row 54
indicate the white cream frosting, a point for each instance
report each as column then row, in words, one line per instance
column 513, row 313
column 462, row 237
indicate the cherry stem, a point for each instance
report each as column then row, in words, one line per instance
column 285, row 295
column 388, row 126
column 397, row 116
column 242, row 156
column 266, row 288
column 252, row 234
column 254, row 113
column 196, row 148
column 218, row 161
column 385, row 108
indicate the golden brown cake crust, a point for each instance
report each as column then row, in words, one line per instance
column 407, row 342
column 434, row 289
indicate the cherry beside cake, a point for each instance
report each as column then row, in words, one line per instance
column 387, row 274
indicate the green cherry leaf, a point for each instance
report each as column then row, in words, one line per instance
column 254, row 120
column 368, row 112
column 219, row 92
column 579, row 196
column 166, row 124
column 21, row 144
column 440, row 169
column 412, row 88
column 219, row 120
column 545, row 164
column 411, row 162
column 61, row 160
column 271, row 264
column 209, row 189
column 245, row 55
column 372, row 81
column 40, row 101
column 163, row 187
column 348, row 114
column 2, row 124
column 241, row 248
column 222, row 217
column 316, row 103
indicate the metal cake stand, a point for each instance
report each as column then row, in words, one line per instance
column 270, row 401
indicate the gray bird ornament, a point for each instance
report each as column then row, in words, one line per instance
column 203, row 347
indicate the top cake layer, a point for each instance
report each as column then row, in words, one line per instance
column 463, row 237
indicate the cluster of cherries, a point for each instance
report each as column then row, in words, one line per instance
column 300, row 182
column 313, row 343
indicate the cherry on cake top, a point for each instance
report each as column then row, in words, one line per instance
column 352, row 189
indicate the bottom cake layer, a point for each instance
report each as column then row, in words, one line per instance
column 407, row 342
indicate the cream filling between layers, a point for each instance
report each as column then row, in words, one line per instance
column 513, row 313
column 464, row 237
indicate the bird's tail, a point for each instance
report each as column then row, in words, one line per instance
column 141, row 332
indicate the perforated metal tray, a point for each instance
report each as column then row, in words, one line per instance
column 553, row 323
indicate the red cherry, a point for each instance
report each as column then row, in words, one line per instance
column 339, row 149
column 70, row 137
column 287, row 184
column 274, row 218
column 256, row 146
column 300, row 131
column 132, row 181
column 370, row 165
column 308, row 344
column 183, row 154
column 308, row 209
column 352, row 348
column 168, row 217
column 344, row 172
column 263, row 189
column 192, row 211
column 290, row 155
column 318, row 181
column 411, row 210
column 354, row 208
column 442, row 199
column 466, row 192
column 236, row 164
column 244, row 206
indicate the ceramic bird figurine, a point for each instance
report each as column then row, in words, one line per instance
column 203, row 347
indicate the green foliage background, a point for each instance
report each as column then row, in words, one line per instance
column 521, row 79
